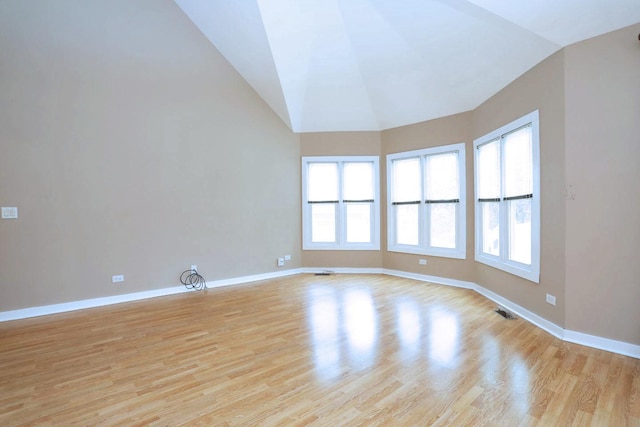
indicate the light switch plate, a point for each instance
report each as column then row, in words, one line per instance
column 9, row 213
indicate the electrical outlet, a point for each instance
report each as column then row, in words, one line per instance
column 9, row 213
column 280, row 262
column 194, row 267
column 118, row 278
column 422, row 261
column 551, row 299
column 287, row 257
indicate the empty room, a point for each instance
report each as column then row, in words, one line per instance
column 336, row 212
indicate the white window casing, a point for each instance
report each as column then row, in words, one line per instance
column 507, row 198
column 426, row 206
column 341, row 203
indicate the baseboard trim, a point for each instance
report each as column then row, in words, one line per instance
column 619, row 347
column 522, row 312
column 342, row 270
column 613, row 346
column 253, row 278
column 116, row 299
column 431, row 279
column 88, row 303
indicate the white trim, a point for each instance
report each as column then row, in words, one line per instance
column 254, row 278
column 502, row 262
column 116, row 299
column 431, row 279
column 527, row 315
column 618, row 347
column 342, row 270
column 87, row 303
column 423, row 247
column 341, row 233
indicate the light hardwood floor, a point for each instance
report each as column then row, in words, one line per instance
column 357, row 350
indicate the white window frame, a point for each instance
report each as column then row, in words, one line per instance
column 502, row 262
column 341, row 231
column 423, row 248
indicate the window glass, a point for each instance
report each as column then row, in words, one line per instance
column 358, row 222
column 322, row 182
column 441, row 177
column 518, row 174
column 406, row 180
column 358, row 181
column 488, row 170
column 407, row 224
column 323, row 222
column 443, row 225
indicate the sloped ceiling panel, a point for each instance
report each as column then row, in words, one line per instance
column 354, row 65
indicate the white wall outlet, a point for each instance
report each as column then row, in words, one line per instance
column 422, row 261
column 194, row 267
column 118, row 278
column 551, row 299
column 9, row 213
column 280, row 262
column 287, row 257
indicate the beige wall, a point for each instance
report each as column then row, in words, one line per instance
column 541, row 88
column 603, row 181
column 448, row 130
column 341, row 144
column 130, row 146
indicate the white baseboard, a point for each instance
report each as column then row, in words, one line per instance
column 116, row 299
column 619, row 347
column 88, row 303
column 342, row 270
column 522, row 312
column 431, row 279
column 253, row 278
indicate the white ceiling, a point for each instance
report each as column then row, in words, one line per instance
column 353, row 65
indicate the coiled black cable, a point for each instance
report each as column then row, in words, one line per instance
column 192, row 280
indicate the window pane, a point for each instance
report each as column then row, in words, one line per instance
column 443, row 225
column 491, row 228
column 358, row 181
column 488, row 174
column 323, row 223
column 359, row 222
column 518, row 163
column 322, row 182
column 407, row 225
column 406, row 180
column 441, row 177
column 520, row 231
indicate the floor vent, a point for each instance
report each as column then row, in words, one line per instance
column 504, row 313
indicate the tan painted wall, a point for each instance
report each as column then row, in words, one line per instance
column 448, row 130
column 341, row 144
column 130, row 146
column 603, row 178
column 541, row 88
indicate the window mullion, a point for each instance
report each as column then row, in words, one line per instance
column 502, row 226
column 341, row 208
column 425, row 232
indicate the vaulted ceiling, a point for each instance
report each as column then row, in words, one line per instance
column 353, row 65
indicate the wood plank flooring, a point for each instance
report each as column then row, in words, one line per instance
column 356, row 350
